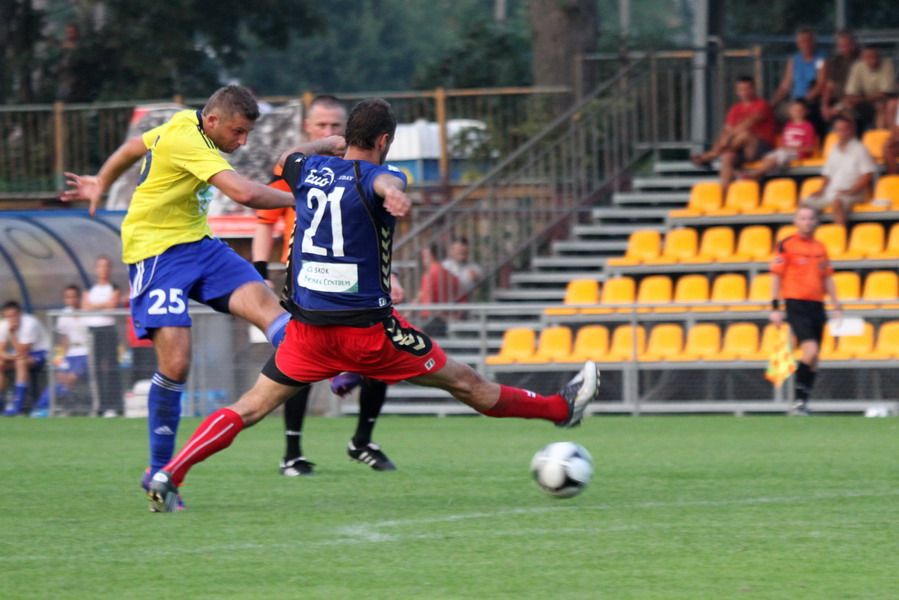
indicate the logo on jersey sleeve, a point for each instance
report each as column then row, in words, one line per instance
column 204, row 197
column 323, row 178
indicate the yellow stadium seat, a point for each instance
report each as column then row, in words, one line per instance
column 855, row 346
column 741, row 342
column 578, row 292
column 887, row 191
column 830, row 140
column 655, row 289
column 554, row 345
column 690, row 289
column 741, row 196
column 881, row 287
column 641, row 245
column 717, row 244
column 759, row 294
column 828, row 345
column 887, row 346
column 849, row 286
column 874, row 139
column 666, row 339
column 705, row 197
column 753, row 245
column 680, row 244
column 729, row 287
column 783, row 232
column 865, row 241
column 833, row 237
column 770, row 339
column 891, row 251
column 703, row 343
column 616, row 292
column 622, row 348
column 779, row 196
column 590, row 343
column 810, row 186
column 518, row 344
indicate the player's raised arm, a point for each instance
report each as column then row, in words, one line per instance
column 333, row 145
column 92, row 187
column 392, row 189
column 249, row 193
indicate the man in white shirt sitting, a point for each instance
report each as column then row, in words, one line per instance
column 848, row 172
column 457, row 262
column 23, row 349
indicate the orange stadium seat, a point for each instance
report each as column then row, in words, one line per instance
column 830, row 140
column 641, row 245
column 518, row 344
column 753, row 245
column 770, row 339
column 554, row 345
column 891, row 249
column 886, row 191
column 779, row 196
column 703, row 343
column 855, row 346
column 622, row 347
column 590, row 343
column 741, row 342
column 616, row 292
column 741, row 196
column 874, row 139
column 717, row 244
column 578, row 292
column 833, row 237
column 705, row 197
column 865, row 241
column 783, row 232
column 849, row 286
column 759, row 294
column 881, row 287
column 729, row 287
column 690, row 289
column 655, row 289
column 828, row 345
column 679, row 244
column 666, row 339
column 887, row 346
column 810, row 186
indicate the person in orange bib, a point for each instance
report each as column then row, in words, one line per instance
column 801, row 276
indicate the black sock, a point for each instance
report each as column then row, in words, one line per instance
column 805, row 381
column 294, row 414
column 371, row 399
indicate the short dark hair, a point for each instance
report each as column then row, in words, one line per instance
column 72, row 286
column 803, row 30
column 845, row 119
column 846, row 32
column 369, row 120
column 11, row 304
column 327, row 101
column 746, row 79
column 233, row 100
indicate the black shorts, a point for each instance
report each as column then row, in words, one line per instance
column 806, row 319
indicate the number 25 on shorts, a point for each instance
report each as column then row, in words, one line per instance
column 174, row 306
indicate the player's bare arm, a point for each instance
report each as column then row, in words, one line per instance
column 92, row 187
column 396, row 201
column 249, row 193
column 333, row 145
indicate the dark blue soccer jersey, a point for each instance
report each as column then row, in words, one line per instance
column 339, row 266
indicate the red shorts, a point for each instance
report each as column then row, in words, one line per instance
column 390, row 351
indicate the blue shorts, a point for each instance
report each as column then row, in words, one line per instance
column 39, row 357
column 203, row 271
column 77, row 365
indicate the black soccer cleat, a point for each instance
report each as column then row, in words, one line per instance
column 296, row 467
column 370, row 455
column 163, row 493
column 579, row 392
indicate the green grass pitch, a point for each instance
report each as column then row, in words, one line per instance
column 680, row 507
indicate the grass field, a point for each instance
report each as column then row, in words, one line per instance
column 680, row 507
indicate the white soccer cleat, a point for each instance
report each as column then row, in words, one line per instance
column 579, row 392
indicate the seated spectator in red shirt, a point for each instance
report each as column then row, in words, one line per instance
column 437, row 286
column 798, row 141
column 750, row 132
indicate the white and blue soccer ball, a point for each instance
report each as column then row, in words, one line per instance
column 562, row 469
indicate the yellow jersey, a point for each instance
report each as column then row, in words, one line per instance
column 172, row 197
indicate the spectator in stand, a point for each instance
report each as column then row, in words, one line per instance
column 891, row 145
column 104, row 295
column 24, row 344
column 458, row 263
column 804, row 77
column 437, row 286
column 848, row 171
column 837, row 73
column 798, row 141
column 871, row 84
column 75, row 341
column 750, row 132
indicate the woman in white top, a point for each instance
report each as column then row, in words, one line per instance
column 104, row 295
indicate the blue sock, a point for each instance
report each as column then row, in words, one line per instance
column 44, row 400
column 164, row 403
column 276, row 330
column 19, row 396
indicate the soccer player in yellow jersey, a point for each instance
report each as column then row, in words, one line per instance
column 170, row 250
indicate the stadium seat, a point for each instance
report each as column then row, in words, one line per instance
column 810, row 186
column 655, row 289
column 828, row 345
column 891, row 249
column 578, row 292
column 741, row 342
column 554, row 345
column 705, row 197
column 665, row 339
column 779, row 196
column 873, row 139
column 622, row 347
column 518, row 344
column 641, row 245
column 590, row 343
column 741, row 197
column 886, row 191
column 679, row 244
column 887, row 346
column 881, row 287
column 689, row 289
column 717, row 244
column 830, row 140
column 759, row 294
column 865, row 241
column 849, row 286
column 703, row 343
column 616, row 292
column 854, row 346
column 753, row 245
column 833, row 237
column 770, row 339
column 729, row 287
column 783, row 232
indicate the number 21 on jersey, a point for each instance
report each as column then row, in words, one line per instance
column 319, row 201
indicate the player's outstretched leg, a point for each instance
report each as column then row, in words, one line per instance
column 361, row 448
column 294, row 463
column 579, row 392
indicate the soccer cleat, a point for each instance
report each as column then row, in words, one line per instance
column 370, row 455
column 296, row 467
column 801, row 409
column 147, row 482
column 579, row 392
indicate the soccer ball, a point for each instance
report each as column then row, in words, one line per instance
column 562, row 469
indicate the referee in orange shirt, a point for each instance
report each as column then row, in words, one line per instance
column 801, row 275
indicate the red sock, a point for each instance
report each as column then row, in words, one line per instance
column 213, row 435
column 515, row 402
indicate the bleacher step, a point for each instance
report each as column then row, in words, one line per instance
column 548, row 278
column 670, row 183
column 566, row 263
column 653, row 198
column 595, row 246
column 552, row 295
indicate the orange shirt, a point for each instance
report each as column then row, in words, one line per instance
column 270, row 216
column 802, row 265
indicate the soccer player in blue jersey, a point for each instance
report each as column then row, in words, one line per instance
column 342, row 318
column 170, row 250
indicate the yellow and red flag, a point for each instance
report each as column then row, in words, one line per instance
column 781, row 363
